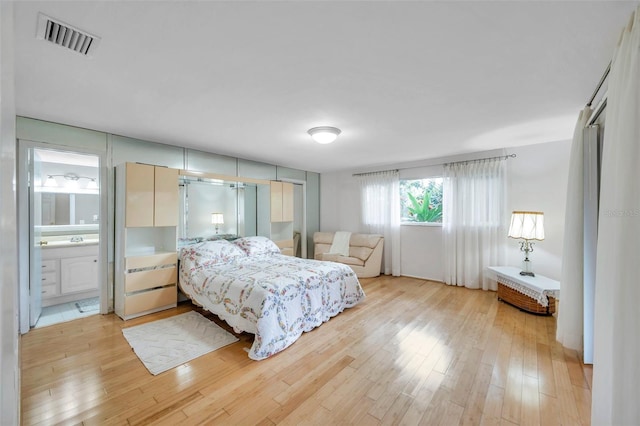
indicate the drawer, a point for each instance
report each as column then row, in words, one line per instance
column 150, row 300
column 49, row 278
column 135, row 281
column 49, row 290
column 136, row 262
column 49, row 265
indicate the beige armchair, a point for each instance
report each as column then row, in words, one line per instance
column 365, row 252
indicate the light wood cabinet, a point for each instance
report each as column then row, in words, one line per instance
column 139, row 194
column 281, row 201
column 149, row 285
column 151, row 195
column 165, row 203
column 287, row 202
column 146, row 259
column 276, row 201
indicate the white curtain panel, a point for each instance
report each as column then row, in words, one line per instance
column 616, row 362
column 380, row 196
column 569, row 329
column 474, row 221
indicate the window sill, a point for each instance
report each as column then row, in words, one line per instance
column 427, row 224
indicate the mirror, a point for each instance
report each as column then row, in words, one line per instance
column 241, row 204
column 69, row 208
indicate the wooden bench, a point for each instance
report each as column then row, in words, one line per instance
column 532, row 294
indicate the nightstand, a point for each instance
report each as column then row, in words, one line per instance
column 536, row 295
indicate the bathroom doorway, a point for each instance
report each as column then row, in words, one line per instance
column 60, row 235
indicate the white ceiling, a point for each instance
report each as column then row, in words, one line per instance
column 405, row 81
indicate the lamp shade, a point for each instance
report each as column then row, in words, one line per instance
column 527, row 225
column 324, row 134
column 217, row 218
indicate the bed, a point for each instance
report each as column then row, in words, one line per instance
column 255, row 289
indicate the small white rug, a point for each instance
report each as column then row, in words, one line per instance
column 88, row 305
column 170, row 342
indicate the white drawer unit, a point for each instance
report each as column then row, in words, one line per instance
column 49, row 265
column 50, row 278
column 69, row 273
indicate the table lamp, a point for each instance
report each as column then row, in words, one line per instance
column 217, row 219
column 527, row 226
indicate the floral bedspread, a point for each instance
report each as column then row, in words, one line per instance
column 273, row 296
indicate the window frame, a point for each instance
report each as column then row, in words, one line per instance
column 403, row 221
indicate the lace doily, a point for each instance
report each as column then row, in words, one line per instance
column 541, row 298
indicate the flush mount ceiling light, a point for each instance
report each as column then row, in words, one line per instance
column 324, row 134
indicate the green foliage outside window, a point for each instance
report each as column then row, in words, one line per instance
column 421, row 200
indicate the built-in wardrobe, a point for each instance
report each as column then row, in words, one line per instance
column 117, row 150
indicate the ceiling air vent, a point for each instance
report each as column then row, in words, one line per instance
column 64, row 35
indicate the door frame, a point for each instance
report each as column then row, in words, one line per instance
column 303, row 231
column 22, row 186
column 35, row 252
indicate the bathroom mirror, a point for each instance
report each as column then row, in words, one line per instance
column 68, row 208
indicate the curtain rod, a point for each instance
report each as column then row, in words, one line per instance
column 375, row 173
column 600, row 83
column 597, row 111
column 504, row 157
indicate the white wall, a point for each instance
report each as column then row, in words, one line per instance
column 421, row 251
column 537, row 181
column 9, row 373
column 339, row 202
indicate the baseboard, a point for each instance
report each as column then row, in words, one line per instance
column 423, row 278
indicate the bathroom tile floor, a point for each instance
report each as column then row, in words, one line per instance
column 66, row 312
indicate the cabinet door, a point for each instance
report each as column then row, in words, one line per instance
column 166, row 197
column 287, row 202
column 139, row 195
column 276, row 201
column 78, row 274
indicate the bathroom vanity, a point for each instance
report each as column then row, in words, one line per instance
column 69, row 266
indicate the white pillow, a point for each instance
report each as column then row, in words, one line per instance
column 254, row 246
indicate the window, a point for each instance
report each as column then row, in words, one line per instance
column 421, row 200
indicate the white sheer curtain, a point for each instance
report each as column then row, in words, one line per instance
column 616, row 365
column 474, row 221
column 381, row 214
column 569, row 329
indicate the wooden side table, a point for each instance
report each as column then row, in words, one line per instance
column 536, row 295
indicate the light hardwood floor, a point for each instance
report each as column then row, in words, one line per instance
column 414, row 352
